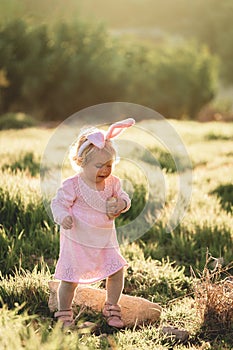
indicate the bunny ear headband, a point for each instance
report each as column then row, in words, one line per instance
column 99, row 137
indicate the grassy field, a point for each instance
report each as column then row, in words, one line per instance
column 159, row 260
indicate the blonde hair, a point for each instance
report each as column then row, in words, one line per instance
column 88, row 153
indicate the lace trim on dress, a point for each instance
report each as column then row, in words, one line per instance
column 93, row 198
column 69, row 273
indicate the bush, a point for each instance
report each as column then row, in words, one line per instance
column 87, row 67
column 81, row 60
column 16, row 121
column 174, row 80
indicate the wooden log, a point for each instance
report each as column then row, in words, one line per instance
column 135, row 310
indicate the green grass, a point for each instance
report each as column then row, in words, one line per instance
column 225, row 193
column 159, row 261
column 25, row 162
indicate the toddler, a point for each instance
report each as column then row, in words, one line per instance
column 85, row 207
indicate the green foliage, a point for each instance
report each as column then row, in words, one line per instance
column 27, row 234
column 25, row 56
column 22, row 248
column 209, row 22
column 159, row 263
column 29, row 289
column 22, row 331
column 26, row 332
column 15, row 212
column 225, row 193
column 161, row 158
column 217, row 136
column 155, row 280
column 16, row 121
column 137, row 204
column 175, row 80
column 86, row 67
column 25, row 162
column 80, row 59
column 187, row 245
column 212, row 25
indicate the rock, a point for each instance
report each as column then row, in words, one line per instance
column 176, row 333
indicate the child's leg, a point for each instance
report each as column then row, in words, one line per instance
column 112, row 310
column 114, row 286
column 65, row 295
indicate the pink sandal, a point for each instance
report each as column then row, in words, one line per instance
column 113, row 315
column 66, row 317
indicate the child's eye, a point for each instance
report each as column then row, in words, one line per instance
column 99, row 166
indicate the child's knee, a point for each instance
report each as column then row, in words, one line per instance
column 68, row 285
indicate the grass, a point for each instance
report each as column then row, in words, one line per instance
column 225, row 193
column 213, row 297
column 25, row 162
column 159, row 261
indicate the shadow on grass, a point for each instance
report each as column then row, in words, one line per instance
column 27, row 162
column 186, row 245
column 225, row 194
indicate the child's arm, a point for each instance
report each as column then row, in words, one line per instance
column 123, row 199
column 119, row 203
column 62, row 203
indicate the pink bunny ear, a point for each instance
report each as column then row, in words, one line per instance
column 97, row 138
column 117, row 128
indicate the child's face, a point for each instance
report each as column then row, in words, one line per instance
column 99, row 167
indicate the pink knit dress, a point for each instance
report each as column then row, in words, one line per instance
column 89, row 251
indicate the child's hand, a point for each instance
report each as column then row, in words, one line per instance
column 67, row 222
column 114, row 207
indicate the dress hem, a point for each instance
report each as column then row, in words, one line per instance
column 93, row 281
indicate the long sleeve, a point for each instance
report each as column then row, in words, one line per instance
column 118, row 191
column 63, row 201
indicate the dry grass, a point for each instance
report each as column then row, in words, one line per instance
column 213, row 292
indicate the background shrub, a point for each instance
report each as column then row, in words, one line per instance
column 16, row 121
column 52, row 73
column 174, row 80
